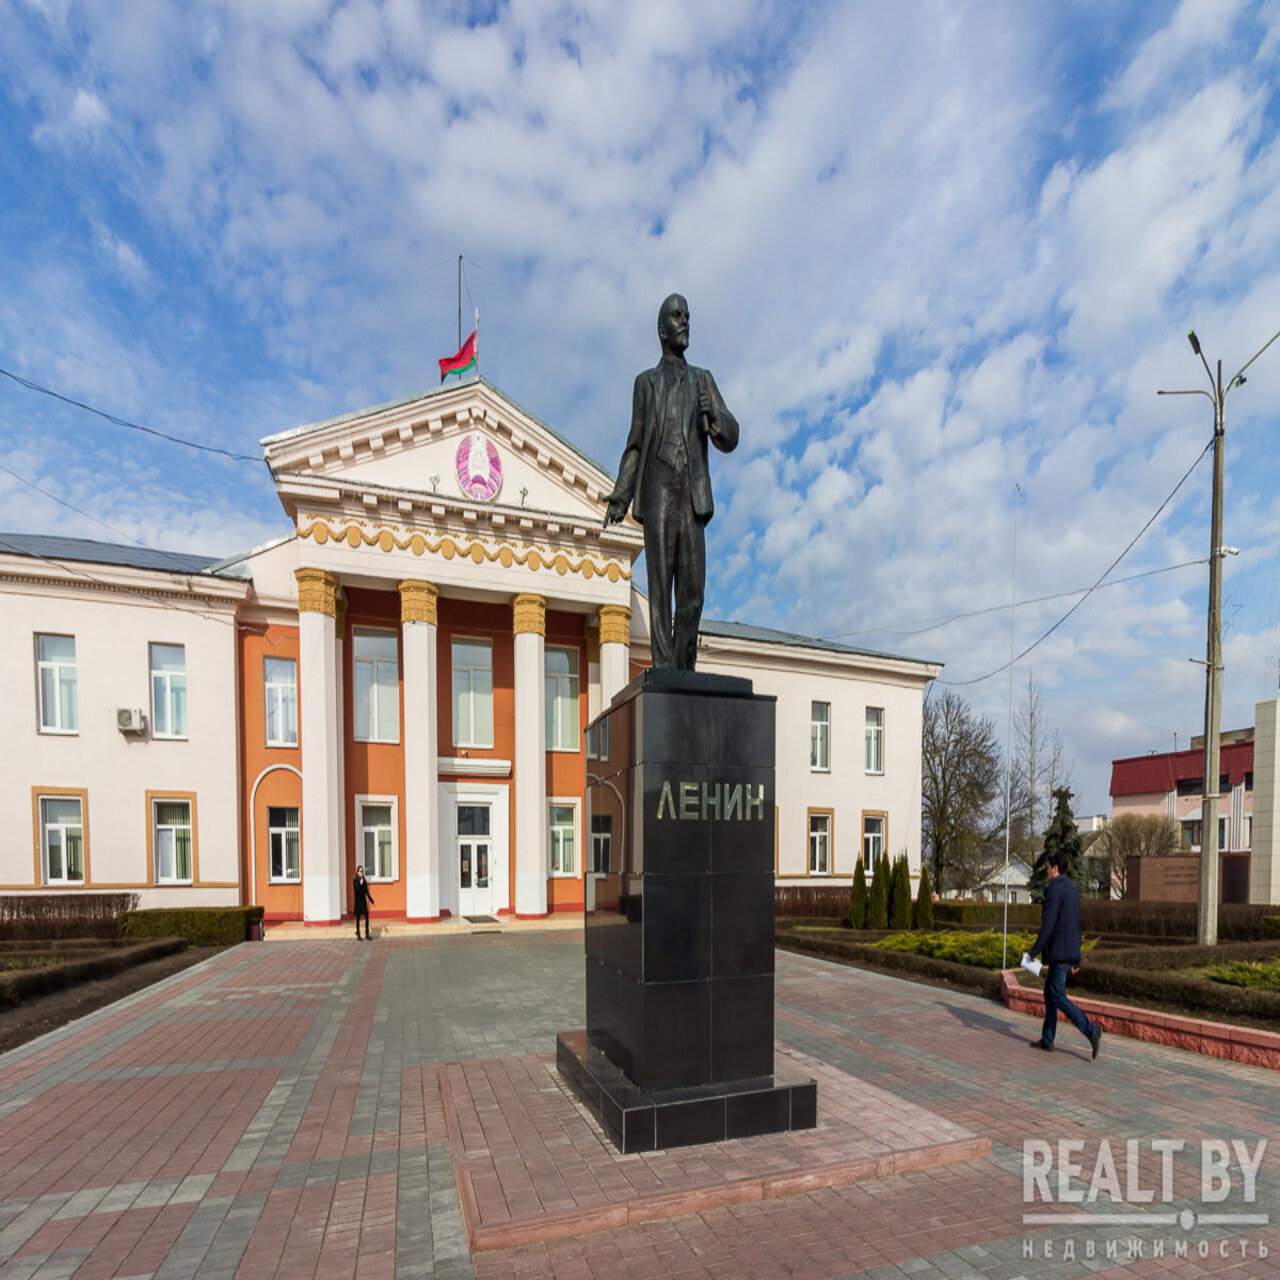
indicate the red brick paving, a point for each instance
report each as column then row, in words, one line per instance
column 531, row 1167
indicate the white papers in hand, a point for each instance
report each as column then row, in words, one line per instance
column 1033, row 967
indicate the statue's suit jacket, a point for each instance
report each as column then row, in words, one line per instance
column 646, row 431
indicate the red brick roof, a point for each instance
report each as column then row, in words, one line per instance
column 1160, row 772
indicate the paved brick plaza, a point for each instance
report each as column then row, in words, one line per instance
column 279, row 1111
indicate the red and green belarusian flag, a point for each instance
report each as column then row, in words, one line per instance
column 464, row 360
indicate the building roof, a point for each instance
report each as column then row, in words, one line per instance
column 42, row 546
column 767, row 635
column 1162, row 771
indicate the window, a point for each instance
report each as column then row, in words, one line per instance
column 377, row 823
column 875, row 739
column 1246, row 841
column 872, row 839
column 62, row 839
column 598, row 739
column 820, row 736
column 280, row 680
column 561, row 668
column 172, row 842
column 601, row 843
column 819, row 844
column 376, row 669
column 1191, row 833
column 168, row 691
column 472, row 693
column 282, row 838
column 563, row 823
column 56, row 674
column 1222, row 834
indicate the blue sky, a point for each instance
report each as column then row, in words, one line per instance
column 931, row 251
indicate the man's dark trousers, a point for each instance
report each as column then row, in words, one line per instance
column 673, row 537
column 1055, row 998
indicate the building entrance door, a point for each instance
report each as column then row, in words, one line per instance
column 475, row 853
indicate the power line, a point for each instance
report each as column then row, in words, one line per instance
column 1040, row 639
column 124, row 422
column 62, row 502
column 933, row 624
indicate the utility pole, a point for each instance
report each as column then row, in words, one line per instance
column 1207, row 922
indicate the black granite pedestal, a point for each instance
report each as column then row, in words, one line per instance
column 678, row 1046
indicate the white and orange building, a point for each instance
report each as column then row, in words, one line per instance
column 403, row 681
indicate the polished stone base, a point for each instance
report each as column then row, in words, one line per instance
column 641, row 1121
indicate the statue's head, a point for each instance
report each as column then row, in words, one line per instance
column 673, row 325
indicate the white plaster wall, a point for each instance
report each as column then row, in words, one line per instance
column 847, row 789
column 112, row 634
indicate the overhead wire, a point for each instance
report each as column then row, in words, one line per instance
column 1044, row 635
column 131, row 426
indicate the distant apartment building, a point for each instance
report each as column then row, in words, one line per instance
column 1170, row 784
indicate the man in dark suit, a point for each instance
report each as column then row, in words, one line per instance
column 664, row 478
column 1059, row 940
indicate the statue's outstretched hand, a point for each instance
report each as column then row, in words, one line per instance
column 614, row 512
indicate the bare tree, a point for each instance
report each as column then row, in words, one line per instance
column 1040, row 769
column 962, row 777
column 1142, row 835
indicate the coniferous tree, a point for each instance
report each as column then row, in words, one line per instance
column 858, row 898
column 900, row 905
column 922, row 916
column 878, row 899
column 1062, row 835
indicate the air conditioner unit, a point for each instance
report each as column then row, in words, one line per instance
column 130, row 719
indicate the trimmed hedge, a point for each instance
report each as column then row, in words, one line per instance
column 827, row 901
column 989, row 915
column 200, row 926
column 25, row 983
column 834, row 945
column 70, row 914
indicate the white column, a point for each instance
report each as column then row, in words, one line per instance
column 1264, row 855
column 340, row 644
column 421, row 855
column 615, row 651
column 321, row 746
column 529, row 614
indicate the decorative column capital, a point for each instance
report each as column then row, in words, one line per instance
column 419, row 601
column 615, row 624
column 529, row 614
column 317, row 591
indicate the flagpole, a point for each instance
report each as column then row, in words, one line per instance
column 1008, row 768
column 459, row 301
column 477, row 342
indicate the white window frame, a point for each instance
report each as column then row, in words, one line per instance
column 1247, row 836
column 875, row 741
column 166, row 678
column 375, row 731
column 869, row 858
column 1224, row 832
column 562, row 694
column 63, row 827
column 276, row 691
column 157, row 828
column 53, row 724
column 393, row 803
column 565, row 802
column 819, row 737
column 820, row 843
column 283, row 833
column 458, row 741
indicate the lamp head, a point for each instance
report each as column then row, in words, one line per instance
column 1195, row 342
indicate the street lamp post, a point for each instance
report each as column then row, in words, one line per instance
column 1207, row 922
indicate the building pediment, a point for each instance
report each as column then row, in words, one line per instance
column 461, row 452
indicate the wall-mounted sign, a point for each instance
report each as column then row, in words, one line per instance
column 479, row 467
